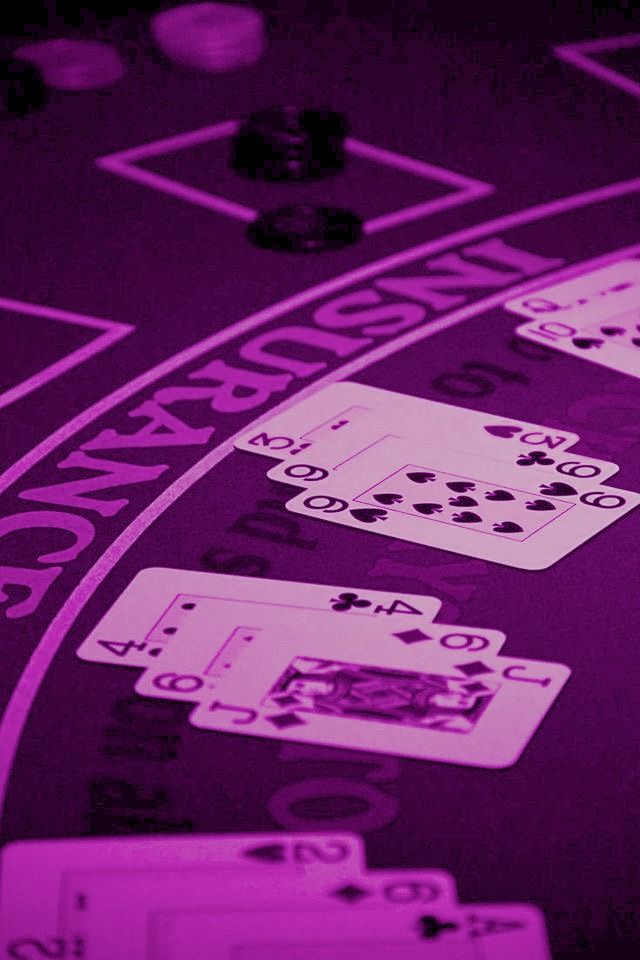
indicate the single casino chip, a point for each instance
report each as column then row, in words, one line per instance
column 210, row 36
column 22, row 87
column 74, row 64
column 289, row 144
column 303, row 228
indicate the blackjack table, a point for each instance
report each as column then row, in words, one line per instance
column 492, row 152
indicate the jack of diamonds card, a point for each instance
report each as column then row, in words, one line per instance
column 405, row 697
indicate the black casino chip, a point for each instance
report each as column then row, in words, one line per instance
column 302, row 228
column 288, row 144
column 22, row 87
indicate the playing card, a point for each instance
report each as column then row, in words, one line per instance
column 343, row 419
column 92, row 901
column 318, row 934
column 462, row 503
column 37, row 875
column 471, row 932
column 197, row 663
column 406, row 696
column 160, row 602
column 595, row 316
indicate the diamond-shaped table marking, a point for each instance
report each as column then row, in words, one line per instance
column 351, row 893
column 124, row 164
column 473, row 669
column 581, row 56
column 283, row 720
column 107, row 333
column 412, row 636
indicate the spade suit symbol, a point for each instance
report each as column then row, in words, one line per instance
column 272, row 853
column 504, row 430
column 499, row 495
column 388, row 498
column 423, row 477
column 557, row 489
column 461, row 486
column 427, row 508
column 586, row 343
column 507, row 526
column 466, row 517
column 539, row 505
column 368, row 514
column 462, row 502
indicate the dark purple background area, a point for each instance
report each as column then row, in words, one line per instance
column 475, row 90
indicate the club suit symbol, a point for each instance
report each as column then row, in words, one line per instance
column 535, row 457
column 348, row 601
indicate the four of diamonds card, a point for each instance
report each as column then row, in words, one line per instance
column 345, row 667
column 327, row 665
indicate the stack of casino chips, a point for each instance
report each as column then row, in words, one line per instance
column 210, row 36
column 289, row 145
column 22, row 88
column 285, row 143
column 74, row 64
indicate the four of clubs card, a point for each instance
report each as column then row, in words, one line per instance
column 326, row 665
column 429, row 473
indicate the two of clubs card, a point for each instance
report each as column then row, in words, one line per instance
column 330, row 665
column 447, row 477
column 274, row 896
column 595, row 316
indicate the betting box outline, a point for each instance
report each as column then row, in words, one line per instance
column 113, row 330
column 577, row 54
column 124, row 164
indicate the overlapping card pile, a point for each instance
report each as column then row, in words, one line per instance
column 435, row 474
column 245, row 897
column 595, row 316
column 331, row 665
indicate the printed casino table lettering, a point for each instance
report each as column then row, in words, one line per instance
column 471, row 240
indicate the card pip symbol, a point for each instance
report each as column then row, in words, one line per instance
column 351, row 893
column 412, row 636
column 348, row 601
column 475, row 669
column 271, row 852
column 538, row 457
column 431, row 927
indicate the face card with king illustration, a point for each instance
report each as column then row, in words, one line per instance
column 459, row 502
column 159, row 604
column 403, row 696
column 343, row 418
